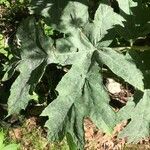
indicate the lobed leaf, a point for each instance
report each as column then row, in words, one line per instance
column 81, row 92
column 105, row 19
column 122, row 67
column 32, row 56
column 138, row 127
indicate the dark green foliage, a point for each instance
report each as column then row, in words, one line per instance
column 64, row 67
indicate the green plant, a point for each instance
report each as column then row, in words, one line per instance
column 81, row 49
column 2, row 45
column 4, row 146
column 5, row 2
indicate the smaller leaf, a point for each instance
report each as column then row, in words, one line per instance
column 31, row 66
column 104, row 20
column 138, row 127
column 11, row 147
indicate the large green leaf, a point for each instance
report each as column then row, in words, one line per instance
column 81, row 94
column 36, row 52
column 68, row 88
column 138, row 127
column 73, row 19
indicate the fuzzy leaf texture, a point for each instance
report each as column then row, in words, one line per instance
column 32, row 57
column 139, row 114
column 81, row 92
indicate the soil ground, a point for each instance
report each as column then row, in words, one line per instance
column 31, row 136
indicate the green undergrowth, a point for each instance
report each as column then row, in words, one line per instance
column 6, row 144
column 30, row 135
